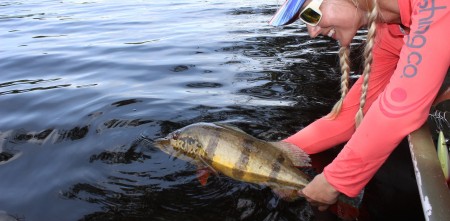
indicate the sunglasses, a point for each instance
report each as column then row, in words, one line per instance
column 312, row 15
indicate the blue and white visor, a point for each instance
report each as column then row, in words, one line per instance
column 287, row 13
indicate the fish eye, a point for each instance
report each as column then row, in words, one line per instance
column 175, row 135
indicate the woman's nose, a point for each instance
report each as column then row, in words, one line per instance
column 313, row 31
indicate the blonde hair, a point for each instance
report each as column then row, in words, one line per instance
column 344, row 61
column 344, row 53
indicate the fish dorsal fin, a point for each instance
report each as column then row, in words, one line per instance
column 298, row 157
column 230, row 127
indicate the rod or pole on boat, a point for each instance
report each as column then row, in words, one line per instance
column 434, row 192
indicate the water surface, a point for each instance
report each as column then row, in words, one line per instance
column 81, row 81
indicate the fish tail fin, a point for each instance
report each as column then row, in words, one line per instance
column 347, row 208
column 298, row 157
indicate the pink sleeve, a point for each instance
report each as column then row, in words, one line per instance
column 325, row 133
column 405, row 103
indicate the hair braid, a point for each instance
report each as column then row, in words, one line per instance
column 368, row 61
column 344, row 60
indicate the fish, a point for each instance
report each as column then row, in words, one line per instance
column 228, row 150
column 224, row 149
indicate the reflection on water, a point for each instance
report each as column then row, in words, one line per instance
column 9, row 85
column 83, row 82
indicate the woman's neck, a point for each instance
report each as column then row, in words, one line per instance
column 389, row 11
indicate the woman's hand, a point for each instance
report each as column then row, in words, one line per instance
column 320, row 193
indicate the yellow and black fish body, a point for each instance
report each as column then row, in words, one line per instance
column 236, row 154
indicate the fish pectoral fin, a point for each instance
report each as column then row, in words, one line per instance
column 207, row 165
column 298, row 157
column 204, row 170
column 203, row 175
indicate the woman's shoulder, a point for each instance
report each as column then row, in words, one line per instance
column 390, row 38
column 424, row 10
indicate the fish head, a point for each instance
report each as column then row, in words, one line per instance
column 184, row 141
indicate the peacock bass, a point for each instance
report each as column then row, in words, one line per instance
column 236, row 154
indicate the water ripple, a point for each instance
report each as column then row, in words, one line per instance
column 83, row 81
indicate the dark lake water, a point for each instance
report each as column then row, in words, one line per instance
column 81, row 81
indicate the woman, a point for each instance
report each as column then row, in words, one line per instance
column 407, row 56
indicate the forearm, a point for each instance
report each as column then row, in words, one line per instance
column 369, row 148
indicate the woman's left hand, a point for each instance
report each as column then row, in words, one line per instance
column 320, row 193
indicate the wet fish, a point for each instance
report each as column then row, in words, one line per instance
column 228, row 150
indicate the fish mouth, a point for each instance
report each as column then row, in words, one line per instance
column 160, row 142
column 164, row 145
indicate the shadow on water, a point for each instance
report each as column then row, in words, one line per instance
column 92, row 164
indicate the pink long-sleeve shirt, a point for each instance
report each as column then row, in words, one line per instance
column 407, row 72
